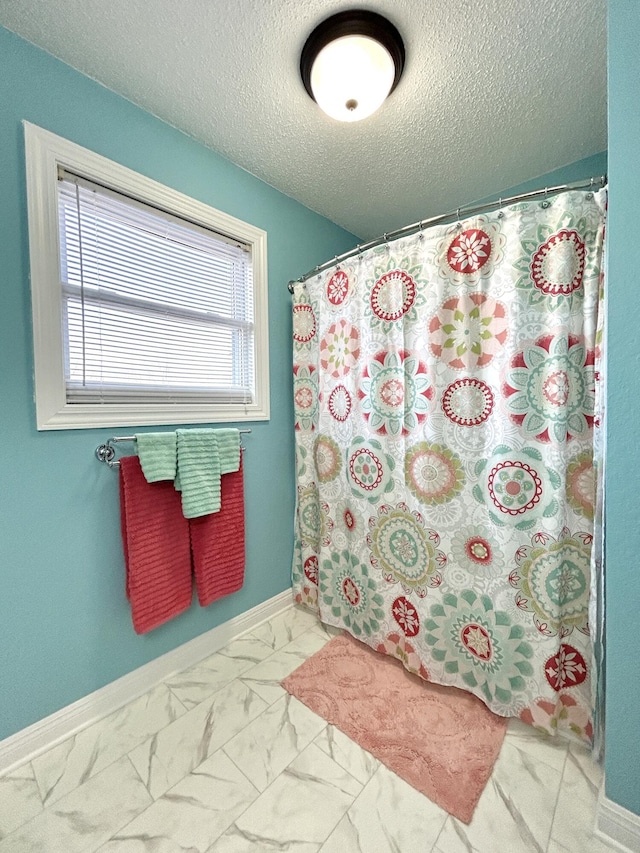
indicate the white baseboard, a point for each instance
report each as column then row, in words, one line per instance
column 46, row 733
column 617, row 826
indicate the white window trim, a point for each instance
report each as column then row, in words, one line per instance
column 45, row 152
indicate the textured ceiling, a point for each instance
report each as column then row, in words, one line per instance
column 495, row 92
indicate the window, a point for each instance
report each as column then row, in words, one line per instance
column 148, row 307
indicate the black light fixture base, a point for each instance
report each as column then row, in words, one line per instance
column 358, row 22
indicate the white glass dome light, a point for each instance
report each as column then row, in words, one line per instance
column 351, row 63
column 352, row 77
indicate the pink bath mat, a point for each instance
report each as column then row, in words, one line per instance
column 441, row 740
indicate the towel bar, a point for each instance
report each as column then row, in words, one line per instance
column 107, row 453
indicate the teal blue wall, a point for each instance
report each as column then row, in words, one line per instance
column 622, row 760
column 65, row 627
column 588, row 167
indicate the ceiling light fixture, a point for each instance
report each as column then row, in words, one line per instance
column 351, row 63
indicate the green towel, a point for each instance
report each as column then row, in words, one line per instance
column 157, row 452
column 198, row 471
column 228, row 450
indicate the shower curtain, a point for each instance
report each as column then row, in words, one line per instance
column 445, row 389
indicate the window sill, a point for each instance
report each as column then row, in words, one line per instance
column 96, row 417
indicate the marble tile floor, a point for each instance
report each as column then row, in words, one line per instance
column 220, row 759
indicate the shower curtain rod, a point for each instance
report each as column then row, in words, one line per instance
column 591, row 183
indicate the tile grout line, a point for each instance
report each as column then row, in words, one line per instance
column 241, row 771
column 38, row 786
column 222, row 686
column 179, row 782
column 278, row 682
column 206, row 699
column 557, row 800
column 284, row 769
column 523, row 751
column 435, row 843
column 178, row 700
column 125, row 825
column 238, row 678
column 355, row 743
column 515, row 738
column 380, row 769
column 38, row 791
column 260, row 793
column 220, row 747
column 311, row 743
column 73, row 791
column 86, row 778
column 255, row 719
column 45, row 795
column 128, row 757
column 355, row 800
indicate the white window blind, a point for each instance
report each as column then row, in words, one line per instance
column 155, row 308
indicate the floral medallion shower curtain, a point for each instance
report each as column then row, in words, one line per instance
column 445, row 408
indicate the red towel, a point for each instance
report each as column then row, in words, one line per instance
column 157, row 556
column 217, row 543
